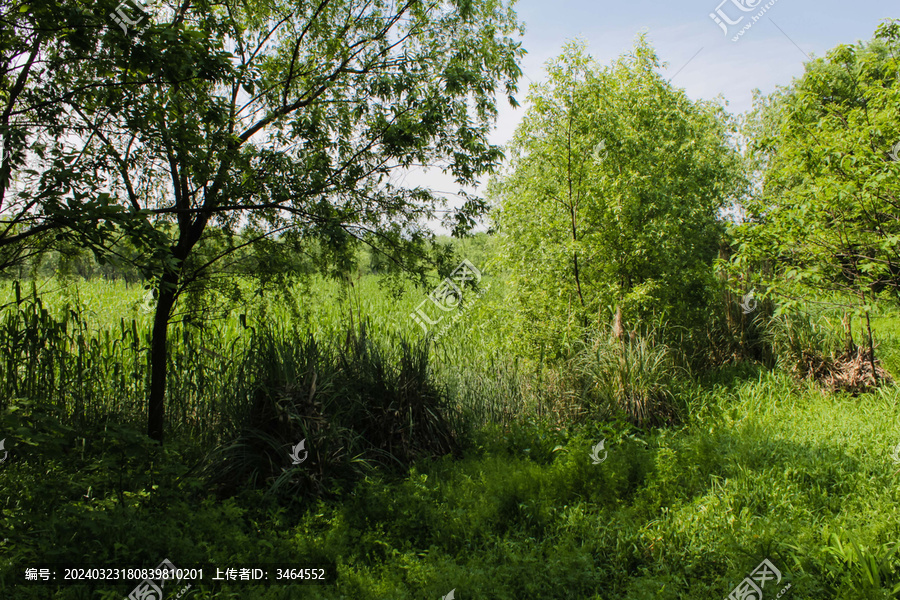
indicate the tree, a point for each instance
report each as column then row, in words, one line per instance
column 825, row 211
column 612, row 197
column 287, row 119
column 44, row 187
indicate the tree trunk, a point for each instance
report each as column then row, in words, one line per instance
column 871, row 349
column 577, row 277
column 862, row 299
column 848, row 328
column 159, row 355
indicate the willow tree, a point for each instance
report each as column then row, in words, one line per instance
column 612, row 197
column 287, row 118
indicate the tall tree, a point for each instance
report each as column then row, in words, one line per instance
column 826, row 211
column 287, row 118
column 612, row 196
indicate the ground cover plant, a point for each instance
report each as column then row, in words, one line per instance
column 761, row 464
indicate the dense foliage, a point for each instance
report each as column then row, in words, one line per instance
column 552, row 434
column 824, row 212
column 762, row 467
column 612, row 199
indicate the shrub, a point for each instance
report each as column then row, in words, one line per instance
column 803, row 345
column 355, row 406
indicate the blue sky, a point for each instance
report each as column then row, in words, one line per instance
column 763, row 57
column 700, row 57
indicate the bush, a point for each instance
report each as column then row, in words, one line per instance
column 803, row 345
column 355, row 405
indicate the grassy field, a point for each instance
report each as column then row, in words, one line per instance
column 760, row 466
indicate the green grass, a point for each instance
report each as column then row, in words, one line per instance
column 761, row 466
column 101, row 326
column 681, row 513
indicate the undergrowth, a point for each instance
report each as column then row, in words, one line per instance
column 438, row 469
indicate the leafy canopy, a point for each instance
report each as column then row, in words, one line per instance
column 612, row 196
column 825, row 209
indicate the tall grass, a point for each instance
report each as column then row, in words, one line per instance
column 201, row 348
column 57, row 356
column 353, row 404
column 632, row 377
column 313, row 363
column 60, row 360
column 803, row 344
